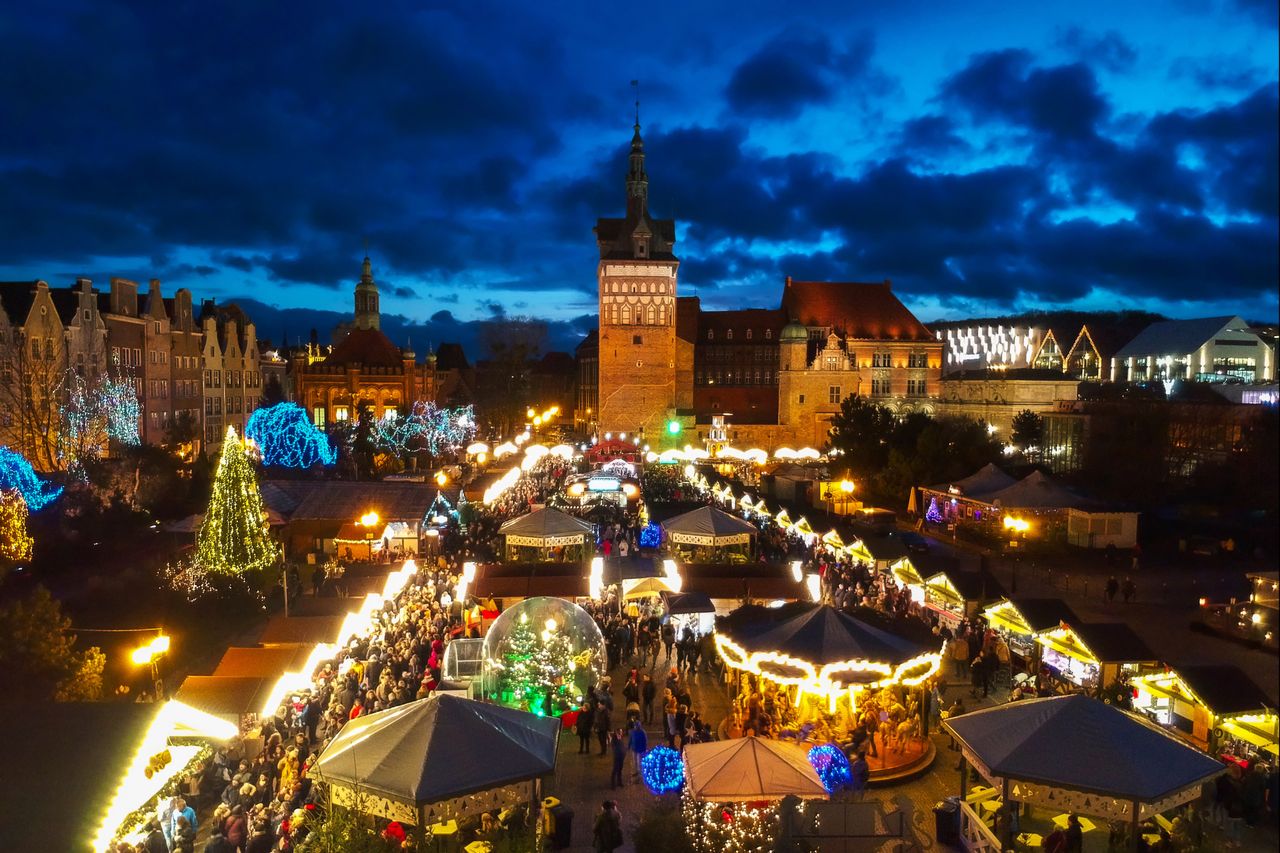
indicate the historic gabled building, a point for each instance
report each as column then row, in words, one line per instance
column 232, row 373
column 362, row 368
column 662, row 368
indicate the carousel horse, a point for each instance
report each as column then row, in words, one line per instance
column 907, row 731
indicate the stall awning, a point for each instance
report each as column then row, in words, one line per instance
column 687, row 602
column 1257, row 729
column 708, row 526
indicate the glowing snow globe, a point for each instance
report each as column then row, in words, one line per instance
column 543, row 655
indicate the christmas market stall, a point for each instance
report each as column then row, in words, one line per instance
column 710, row 535
column 1093, row 655
column 1049, row 758
column 812, row 672
column 439, row 762
column 1018, row 620
column 1214, row 707
column 955, row 594
column 547, row 534
column 733, row 789
column 543, row 655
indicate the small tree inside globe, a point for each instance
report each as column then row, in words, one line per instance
column 543, row 655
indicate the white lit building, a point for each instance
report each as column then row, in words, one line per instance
column 1211, row 349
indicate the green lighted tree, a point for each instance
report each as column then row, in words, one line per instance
column 535, row 668
column 235, row 537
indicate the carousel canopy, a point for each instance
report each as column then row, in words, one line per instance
column 687, row 602
column 746, row 769
column 820, row 634
column 546, row 528
column 440, row 748
column 708, row 526
column 1081, row 744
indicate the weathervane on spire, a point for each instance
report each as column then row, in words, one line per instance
column 635, row 84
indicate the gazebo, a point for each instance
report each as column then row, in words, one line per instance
column 438, row 760
column 1076, row 754
column 547, row 534
column 708, row 535
column 732, row 788
column 831, row 669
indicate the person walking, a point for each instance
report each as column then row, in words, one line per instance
column 859, row 775
column 607, row 833
column 1129, row 591
column 583, row 727
column 1113, row 587
column 648, row 692
column 668, row 639
column 602, row 724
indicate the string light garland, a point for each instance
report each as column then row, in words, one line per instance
column 662, row 770
column 285, row 436
column 15, row 542
column 120, row 404
column 235, row 537
column 730, row 827
column 832, row 766
column 16, row 474
column 95, row 409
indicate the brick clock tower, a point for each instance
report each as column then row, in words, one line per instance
column 637, row 281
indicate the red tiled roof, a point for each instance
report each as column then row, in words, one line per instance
column 749, row 404
column 757, row 320
column 865, row 311
column 369, row 347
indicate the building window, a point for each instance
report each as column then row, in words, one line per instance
column 833, row 394
column 711, row 334
column 626, row 315
column 636, row 339
column 917, row 387
column 341, row 413
column 728, row 336
column 879, row 387
column 832, row 363
column 748, row 334
column 917, row 359
column 317, row 416
column 802, row 399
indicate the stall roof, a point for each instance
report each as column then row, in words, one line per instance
column 888, row 547
column 1041, row 614
column 546, row 523
column 709, row 522
column 263, row 661
column 45, row 806
column 980, row 585
column 225, row 696
column 440, row 748
column 287, row 630
column 1082, row 744
column 1224, row 689
column 335, row 500
column 1035, row 491
column 687, row 602
column 1113, row 642
column 748, row 769
column 980, row 483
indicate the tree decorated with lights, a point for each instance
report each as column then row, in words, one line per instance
column 235, row 537
column 536, row 669
column 15, row 542
column 427, row 427
column 16, row 474
column 285, row 436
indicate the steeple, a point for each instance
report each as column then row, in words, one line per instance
column 637, row 180
column 367, row 315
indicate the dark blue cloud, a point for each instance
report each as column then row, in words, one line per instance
column 1110, row 50
column 796, row 70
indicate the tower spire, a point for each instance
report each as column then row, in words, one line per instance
column 368, row 315
column 637, row 180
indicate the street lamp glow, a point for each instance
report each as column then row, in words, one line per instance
column 144, row 655
column 1017, row 525
column 369, row 519
column 846, row 486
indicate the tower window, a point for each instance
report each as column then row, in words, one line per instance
column 711, row 334
column 748, row 334
column 728, row 336
column 636, row 339
column 768, row 334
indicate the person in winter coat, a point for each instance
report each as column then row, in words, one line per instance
column 236, row 829
column 607, row 833
column 602, row 724
column 638, row 745
column 618, row 750
column 583, row 728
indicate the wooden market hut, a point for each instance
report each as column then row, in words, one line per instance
column 1019, row 619
column 710, row 535
column 439, row 760
column 1094, row 655
column 1215, row 707
column 1074, row 754
column 547, row 535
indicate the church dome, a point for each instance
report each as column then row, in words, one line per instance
column 794, row 331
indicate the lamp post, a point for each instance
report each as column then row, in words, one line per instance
column 149, row 655
column 846, row 492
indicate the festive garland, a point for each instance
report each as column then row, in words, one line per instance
column 135, row 820
column 662, row 770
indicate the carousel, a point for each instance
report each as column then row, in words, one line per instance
column 812, row 673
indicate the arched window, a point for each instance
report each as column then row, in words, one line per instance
column 652, row 314
column 728, row 336
column 711, row 334
column 626, row 315
column 748, row 334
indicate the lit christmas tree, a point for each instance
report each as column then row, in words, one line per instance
column 235, row 537
column 15, row 542
column 536, row 671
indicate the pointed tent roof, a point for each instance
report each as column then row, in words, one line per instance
column 1082, row 744
column 547, row 524
column 747, row 769
column 980, row 483
column 821, row 634
column 708, row 526
column 440, row 748
column 1035, row 491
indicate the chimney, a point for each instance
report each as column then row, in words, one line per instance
column 788, row 281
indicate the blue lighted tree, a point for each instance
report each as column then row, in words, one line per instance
column 17, row 474
column 285, row 436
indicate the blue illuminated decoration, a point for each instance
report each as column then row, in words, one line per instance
column 662, row 770
column 932, row 514
column 651, row 535
column 17, row 474
column 285, row 436
column 427, row 427
column 603, row 484
column 832, row 766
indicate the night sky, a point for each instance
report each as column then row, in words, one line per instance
column 1084, row 154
